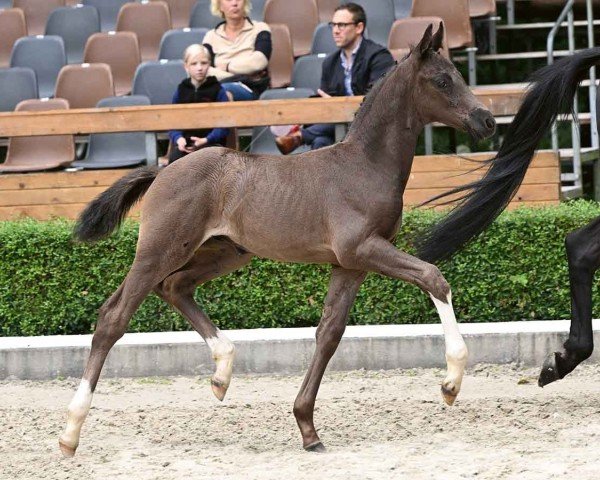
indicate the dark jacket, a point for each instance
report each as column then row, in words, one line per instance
column 210, row 91
column 371, row 62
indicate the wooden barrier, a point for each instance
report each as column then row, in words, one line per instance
column 64, row 194
column 500, row 100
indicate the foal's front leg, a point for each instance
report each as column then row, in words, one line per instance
column 377, row 254
column 343, row 286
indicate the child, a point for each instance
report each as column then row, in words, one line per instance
column 197, row 88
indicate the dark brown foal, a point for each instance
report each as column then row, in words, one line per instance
column 210, row 212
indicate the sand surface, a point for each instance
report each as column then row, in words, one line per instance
column 376, row 425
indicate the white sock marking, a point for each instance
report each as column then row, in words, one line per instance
column 78, row 411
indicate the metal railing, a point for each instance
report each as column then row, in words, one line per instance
column 575, row 175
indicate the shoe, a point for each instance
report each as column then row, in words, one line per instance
column 288, row 143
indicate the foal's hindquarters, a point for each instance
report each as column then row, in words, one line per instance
column 173, row 256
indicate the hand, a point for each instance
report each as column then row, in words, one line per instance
column 182, row 145
column 323, row 94
column 198, row 142
column 222, row 65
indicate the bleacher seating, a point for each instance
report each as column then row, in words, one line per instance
column 406, row 31
column 108, row 11
column 258, row 10
column 300, row 17
column 180, row 12
column 74, row 25
column 45, row 55
column 115, row 150
column 326, row 9
column 281, row 63
column 37, row 12
column 402, row 8
column 149, row 21
column 380, row 16
column 322, row 41
column 16, row 84
column 201, row 17
column 31, row 154
column 174, row 42
column 457, row 20
column 158, row 80
column 121, row 51
column 12, row 27
column 307, row 71
column 83, row 86
column 263, row 141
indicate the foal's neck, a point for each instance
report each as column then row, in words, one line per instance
column 387, row 125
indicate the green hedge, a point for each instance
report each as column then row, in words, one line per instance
column 516, row 270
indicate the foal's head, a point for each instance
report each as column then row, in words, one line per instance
column 441, row 94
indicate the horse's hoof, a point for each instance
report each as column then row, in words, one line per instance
column 449, row 395
column 549, row 371
column 68, row 452
column 219, row 389
column 317, row 447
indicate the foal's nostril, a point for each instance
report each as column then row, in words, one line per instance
column 490, row 123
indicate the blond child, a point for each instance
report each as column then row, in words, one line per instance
column 197, row 88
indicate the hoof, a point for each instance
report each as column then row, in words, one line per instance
column 68, row 452
column 449, row 395
column 549, row 371
column 317, row 447
column 219, row 389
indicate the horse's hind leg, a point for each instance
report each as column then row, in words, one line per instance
column 583, row 252
column 343, row 286
column 214, row 259
column 154, row 261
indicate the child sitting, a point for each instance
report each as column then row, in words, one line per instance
column 197, row 88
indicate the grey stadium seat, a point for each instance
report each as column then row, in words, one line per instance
column 16, row 84
column 174, row 42
column 380, row 16
column 75, row 25
column 113, row 150
column 323, row 40
column 108, row 11
column 201, row 16
column 6, row 3
column 263, row 140
column 258, row 9
column 45, row 55
column 402, row 8
column 158, row 80
column 307, row 71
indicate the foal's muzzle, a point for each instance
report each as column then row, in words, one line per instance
column 480, row 124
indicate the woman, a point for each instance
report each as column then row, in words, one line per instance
column 240, row 50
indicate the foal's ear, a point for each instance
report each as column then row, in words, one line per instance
column 438, row 38
column 425, row 43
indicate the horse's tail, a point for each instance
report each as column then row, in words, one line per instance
column 106, row 212
column 482, row 201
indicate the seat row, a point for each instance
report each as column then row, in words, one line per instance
column 119, row 51
column 150, row 20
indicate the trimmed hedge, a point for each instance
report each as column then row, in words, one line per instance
column 516, row 270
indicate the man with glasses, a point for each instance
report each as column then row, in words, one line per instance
column 351, row 70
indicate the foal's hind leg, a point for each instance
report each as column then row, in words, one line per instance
column 343, row 286
column 153, row 262
column 214, row 259
column 583, row 251
column 377, row 254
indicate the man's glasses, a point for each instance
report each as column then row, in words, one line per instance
column 341, row 25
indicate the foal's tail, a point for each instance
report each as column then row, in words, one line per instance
column 106, row 212
column 483, row 200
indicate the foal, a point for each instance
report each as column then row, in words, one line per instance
column 209, row 213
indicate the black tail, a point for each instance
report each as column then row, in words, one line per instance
column 482, row 201
column 106, row 212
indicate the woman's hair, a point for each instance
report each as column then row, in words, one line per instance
column 195, row 49
column 215, row 8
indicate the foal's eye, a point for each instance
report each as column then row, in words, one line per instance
column 442, row 84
